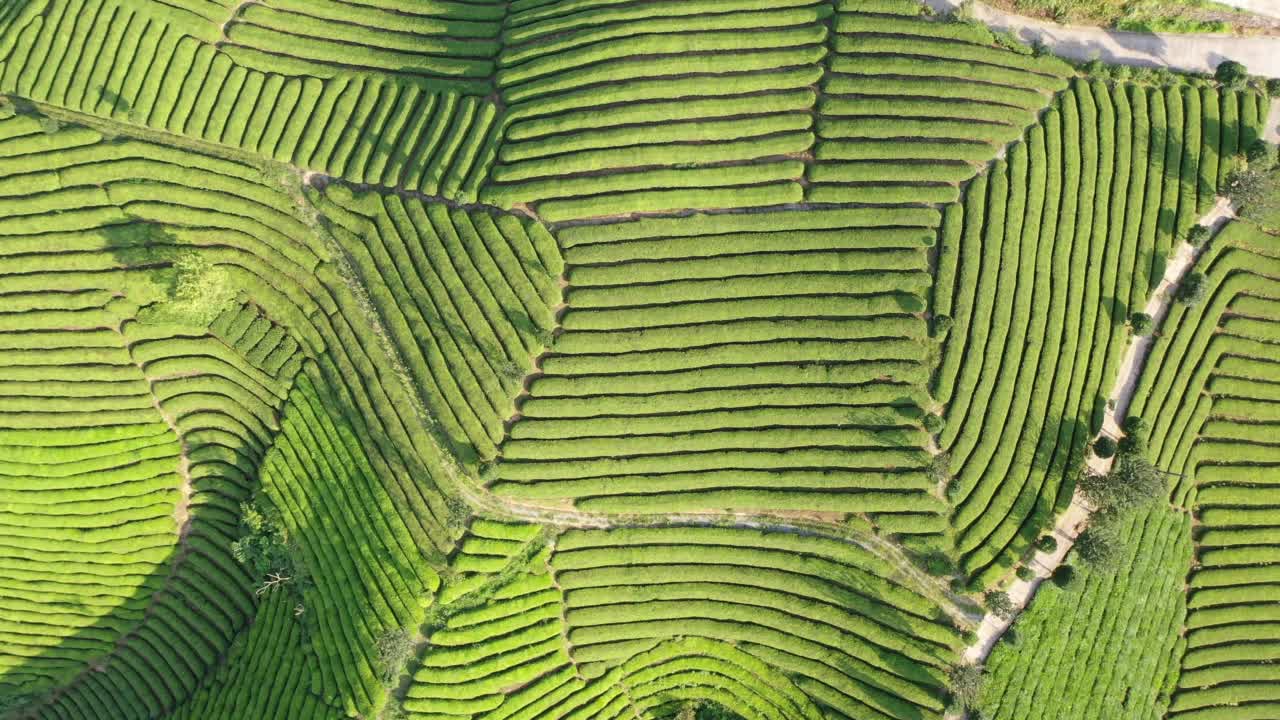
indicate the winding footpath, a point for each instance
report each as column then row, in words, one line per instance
column 1069, row 525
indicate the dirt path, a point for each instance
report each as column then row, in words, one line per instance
column 1196, row 53
column 1069, row 525
column 182, row 508
column 231, row 16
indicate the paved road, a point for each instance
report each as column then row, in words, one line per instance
column 1197, row 53
column 1269, row 8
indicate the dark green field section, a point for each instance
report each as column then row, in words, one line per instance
column 171, row 426
column 591, row 359
column 1211, row 394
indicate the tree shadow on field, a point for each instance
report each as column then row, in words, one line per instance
column 30, row 687
column 118, row 103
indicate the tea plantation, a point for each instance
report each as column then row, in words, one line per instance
column 590, row 359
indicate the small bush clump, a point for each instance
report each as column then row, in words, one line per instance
column 999, row 604
column 1141, row 323
column 1065, row 577
column 1231, row 75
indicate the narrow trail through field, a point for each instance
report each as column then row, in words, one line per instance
column 1196, row 53
column 1069, row 525
column 182, row 508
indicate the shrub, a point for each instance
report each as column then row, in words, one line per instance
column 933, row 423
column 1134, row 424
column 938, row 564
column 1097, row 69
column 1231, row 74
column 1065, row 577
column 942, row 324
column 1197, row 235
column 940, row 471
column 1133, row 444
column 1141, row 323
column 1273, row 87
column 1025, row 573
column 1135, row 439
column 1260, row 155
column 1192, row 289
column 1047, row 543
column 999, row 604
column 1104, row 447
column 1010, row 637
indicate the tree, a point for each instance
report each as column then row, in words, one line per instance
column 1100, row 544
column 1132, row 484
column 191, row 291
column 1065, row 577
column 1141, row 323
column 999, row 603
column 266, row 550
column 1232, row 75
column 965, row 686
column 1255, row 192
column 933, row 423
column 395, row 647
column 1047, row 544
column 942, row 325
column 1025, row 573
column 1104, row 447
column 1192, row 289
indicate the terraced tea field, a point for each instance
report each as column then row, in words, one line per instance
column 587, row 359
